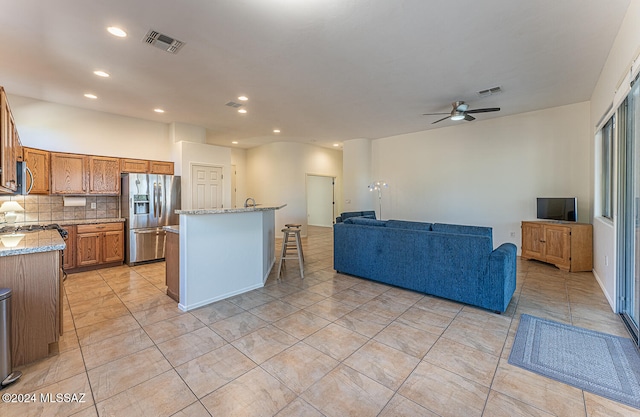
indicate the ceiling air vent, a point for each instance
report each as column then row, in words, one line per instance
column 233, row 104
column 490, row 91
column 164, row 42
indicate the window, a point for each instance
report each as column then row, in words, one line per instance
column 606, row 185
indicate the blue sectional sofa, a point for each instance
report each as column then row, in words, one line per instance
column 369, row 214
column 446, row 260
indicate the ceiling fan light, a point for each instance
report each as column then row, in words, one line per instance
column 457, row 116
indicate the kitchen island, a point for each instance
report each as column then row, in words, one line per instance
column 224, row 252
column 30, row 266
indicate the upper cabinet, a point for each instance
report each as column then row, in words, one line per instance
column 38, row 162
column 104, row 175
column 69, row 173
column 161, row 167
column 139, row 166
column 143, row 166
column 10, row 147
column 81, row 174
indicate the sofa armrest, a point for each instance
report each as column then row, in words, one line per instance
column 502, row 274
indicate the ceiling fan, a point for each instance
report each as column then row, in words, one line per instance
column 460, row 112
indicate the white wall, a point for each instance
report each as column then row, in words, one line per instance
column 489, row 172
column 239, row 160
column 203, row 154
column 610, row 89
column 56, row 127
column 357, row 175
column 276, row 173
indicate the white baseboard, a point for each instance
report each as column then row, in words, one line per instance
column 612, row 303
column 218, row 298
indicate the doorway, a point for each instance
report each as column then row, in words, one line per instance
column 320, row 200
column 206, row 187
column 629, row 211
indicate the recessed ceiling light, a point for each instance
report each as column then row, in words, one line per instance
column 91, row 96
column 336, row 144
column 242, row 111
column 243, row 98
column 116, row 31
column 276, row 130
column 235, row 142
column 158, row 110
column 101, row 73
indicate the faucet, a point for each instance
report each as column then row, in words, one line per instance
column 246, row 202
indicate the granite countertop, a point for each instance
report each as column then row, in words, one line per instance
column 87, row 221
column 172, row 229
column 43, row 240
column 261, row 207
column 32, row 242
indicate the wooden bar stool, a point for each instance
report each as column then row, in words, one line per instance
column 290, row 242
column 296, row 226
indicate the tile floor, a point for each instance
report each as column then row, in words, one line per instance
column 328, row 345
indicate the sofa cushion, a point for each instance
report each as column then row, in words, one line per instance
column 364, row 221
column 404, row 224
column 459, row 228
column 349, row 214
column 369, row 214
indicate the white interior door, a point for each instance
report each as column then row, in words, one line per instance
column 320, row 202
column 234, row 187
column 206, row 187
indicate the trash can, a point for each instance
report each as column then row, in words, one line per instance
column 6, row 376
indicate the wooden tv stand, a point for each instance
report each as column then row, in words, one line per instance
column 567, row 245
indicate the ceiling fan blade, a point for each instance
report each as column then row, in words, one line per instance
column 487, row 110
column 444, row 118
column 434, row 114
column 469, row 118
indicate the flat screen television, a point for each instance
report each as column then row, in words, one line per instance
column 557, row 208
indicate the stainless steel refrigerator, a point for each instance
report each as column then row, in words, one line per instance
column 148, row 202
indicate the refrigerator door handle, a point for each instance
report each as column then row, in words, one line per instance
column 155, row 200
column 150, row 231
column 160, row 198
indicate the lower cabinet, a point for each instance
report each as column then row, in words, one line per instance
column 569, row 246
column 69, row 254
column 36, row 308
column 97, row 244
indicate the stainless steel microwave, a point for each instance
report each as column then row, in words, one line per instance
column 23, row 172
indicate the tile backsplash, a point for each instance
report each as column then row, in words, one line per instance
column 50, row 208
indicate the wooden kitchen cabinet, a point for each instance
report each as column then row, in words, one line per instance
column 568, row 246
column 10, row 147
column 138, row 166
column 36, row 311
column 113, row 245
column 69, row 254
column 98, row 244
column 161, row 167
column 69, row 173
column 87, row 248
column 38, row 161
column 104, row 175
column 76, row 174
